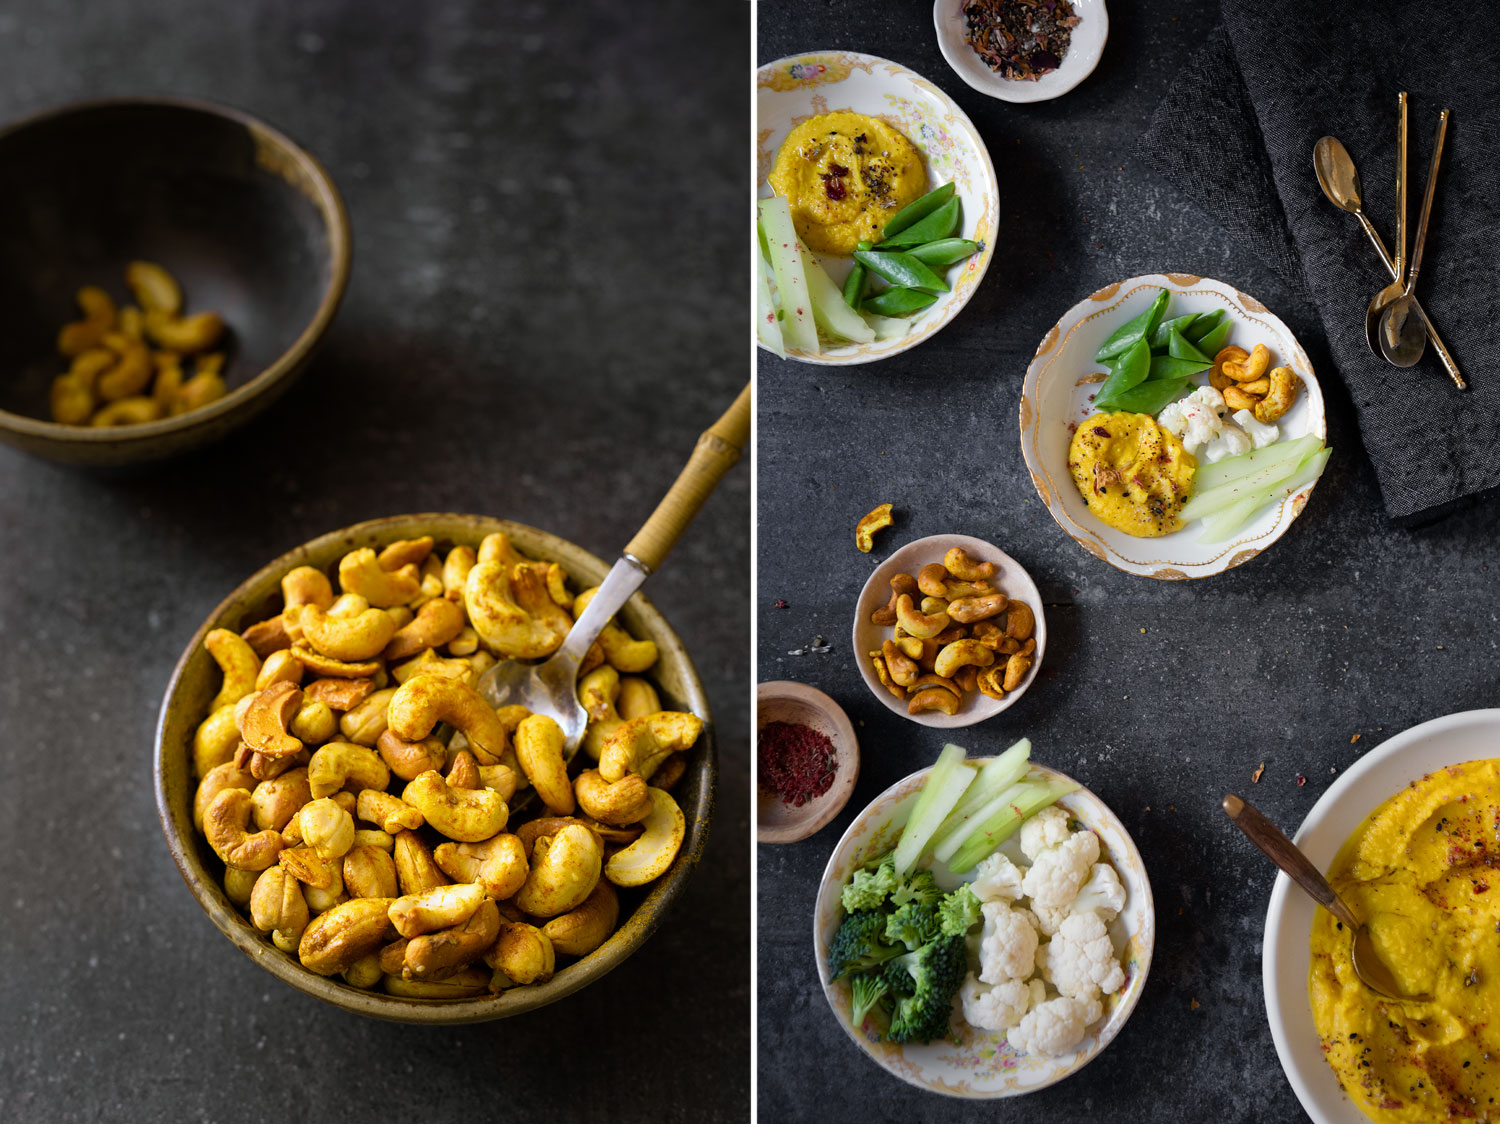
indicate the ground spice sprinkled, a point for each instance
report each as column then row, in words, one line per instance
column 796, row 762
column 1020, row 39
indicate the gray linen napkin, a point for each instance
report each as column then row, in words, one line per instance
column 1236, row 132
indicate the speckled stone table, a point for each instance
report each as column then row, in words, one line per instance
column 532, row 331
column 1159, row 696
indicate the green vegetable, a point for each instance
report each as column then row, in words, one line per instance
column 1166, row 367
column 937, row 971
column 994, row 778
column 1203, row 323
column 1129, row 370
column 1161, row 337
column 913, row 925
column 945, row 786
column 854, row 286
column 917, row 209
column 939, row 224
column 921, row 888
column 830, row 313
column 887, row 327
column 959, row 911
column 897, row 301
column 901, row 269
column 1232, row 468
column 1225, row 495
column 996, row 829
column 1227, row 523
column 1211, row 342
column 1134, row 331
column 945, row 251
column 1148, row 398
column 867, row 991
column 859, row 944
column 1178, row 347
column 869, row 889
column 767, row 326
column 798, row 329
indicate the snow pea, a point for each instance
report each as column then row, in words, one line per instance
column 901, row 269
column 1162, row 336
column 1147, row 398
column 1135, row 331
column 1166, row 367
column 1179, row 348
column 917, row 210
column 940, row 224
column 1214, row 340
column 1203, row 324
column 897, row 301
column 945, row 251
column 854, row 284
column 1128, row 371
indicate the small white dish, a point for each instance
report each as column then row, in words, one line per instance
column 790, row 90
column 983, row 1066
column 1057, row 395
column 1287, row 957
column 1010, row 579
column 1085, row 49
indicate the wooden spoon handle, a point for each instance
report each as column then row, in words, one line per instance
column 717, row 450
column 1284, row 853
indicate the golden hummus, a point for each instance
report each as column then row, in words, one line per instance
column 1132, row 473
column 843, row 175
column 1423, row 871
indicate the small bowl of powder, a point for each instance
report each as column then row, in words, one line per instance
column 807, row 758
column 1021, row 50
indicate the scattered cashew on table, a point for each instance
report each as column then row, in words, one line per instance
column 361, row 840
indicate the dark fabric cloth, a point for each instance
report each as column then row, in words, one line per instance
column 1236, row 133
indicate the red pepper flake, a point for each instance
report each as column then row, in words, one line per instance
column 1301, row 780
column 1100, row 431
column 780, row 604
column 796, row 762
column 837, row 170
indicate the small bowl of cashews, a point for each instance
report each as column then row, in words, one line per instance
column 354, row 815
column 949, row 631
column 171, row 266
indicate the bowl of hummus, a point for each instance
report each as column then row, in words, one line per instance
column 849, row 140
column 1408, row 836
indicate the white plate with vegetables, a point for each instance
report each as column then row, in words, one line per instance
column 936, row 838
column 851, row 143
column 1172, row 426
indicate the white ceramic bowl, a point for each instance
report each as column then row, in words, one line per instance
column 983, row 1066
column 1057, row 395
column 790, row 90
column 1010, row 578
column 1287, row 957
column 1084, row 51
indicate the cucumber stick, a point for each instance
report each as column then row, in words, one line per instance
column 944, row 788
column 1227, row 523
column 994, row 778
column 830, row 312
column 1232, row 468
column 766, row 325
column 989, row 834
column 798, row 329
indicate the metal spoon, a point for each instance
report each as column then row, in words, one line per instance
column 551, row 687
column 1403, row 337
column 1340, row 183
column 1392, row 292
column 1371, row 970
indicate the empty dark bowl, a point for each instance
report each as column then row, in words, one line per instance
column 249, row 223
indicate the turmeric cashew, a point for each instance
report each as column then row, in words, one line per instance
column 264, row 726
column 650, row 855
column 360, row 572
column 1279, row 400
column 456, row 569
column 370, row 872
column 622, row 651
column 533, row 593
column 522, row 954
column 539, row 749
column 405, row 552
column 408, row 760
column 642, row 744
column 582, row 930
column 915, row 622
column 961, row 566
column 415, row 869
column 439, row 908
column 215, row 781
column 498, row 864
column 225, row 825
column 278, row 907
column 345, row 765
column 437, row 622
column 500, row 621
column 933, row 698
column 239, row 663
column 962, row 653
column 349, row 637
column 214, row 741
column 278, row 799
column 626, row 801
column 434, row 954
column 902, row 668
column 305, row 585
column 496, row 547
column 326, row 827
column 637, row 697
column 564, row 870
column 1020, row 621
column 1248, row 369
column 968, row 610
column 469, row 815
column 420, row 704
column 389, row 813
column 597, row 692
column 935, row 581
column 336, row 939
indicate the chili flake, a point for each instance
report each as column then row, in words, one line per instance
column 796, row 762
column 1020, row 39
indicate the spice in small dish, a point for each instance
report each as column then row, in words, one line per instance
column 1020, row 39
column 796, row 762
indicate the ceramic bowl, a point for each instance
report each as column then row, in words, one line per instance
column 1058, row 391
column 790, row 90
column 775, row 820
column 978, row 1064
column 1010, row 578
column 1287, row 957
column 1085, row 48
column 196, row 679
column 247, row 220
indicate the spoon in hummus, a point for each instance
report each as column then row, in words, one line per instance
column 1368, row 966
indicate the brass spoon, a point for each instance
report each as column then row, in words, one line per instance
column 1402, row 335
column 1392, row 292
column 1340, row 183
column 1371, row 970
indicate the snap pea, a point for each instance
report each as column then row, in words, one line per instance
column 901, row 269
column 1161, row 337
column 1135, row 331
column 1203, row 323
column 1147, row 398
column 1166, row 367
column 945, row 251
column 917, row 210
column 1216, row 338
column 939, row 224
column 1179, row 348
column 854, row 286
column 897, row 301
column 1129, row 370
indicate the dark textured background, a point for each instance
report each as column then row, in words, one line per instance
column 538, row 327
column 1159, row 696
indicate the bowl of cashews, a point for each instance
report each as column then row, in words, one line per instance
column 355, row 817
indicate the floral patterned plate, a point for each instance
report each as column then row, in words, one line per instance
column 972, row 1063
column 790, row 90
column 1057, row 395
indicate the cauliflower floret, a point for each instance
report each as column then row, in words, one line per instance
column 1080, row 959
column 998, row 879
column 1055, row 1026
column 1230, row 442
column 1007, row 943
column 1047, row 829
column 1196, row 418
column 1038, row 992
column 1058, row 872
column 1101, row 894
column 1260, row 432
column 1048, row 918
column 996, row 1008
column 1039, row 964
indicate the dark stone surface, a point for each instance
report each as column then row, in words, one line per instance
column 533, row 330
column 1159, row 696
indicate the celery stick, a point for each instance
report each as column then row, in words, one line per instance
column 995, row 777
column 1226, row 523
column 1231, row 492
column 830, row 312
column 989, row 810
column 797, row 326
column 944, row 788
column 1232, row 468
column 983, row 840
column 767, row 328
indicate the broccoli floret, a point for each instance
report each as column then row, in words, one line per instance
column 897, row 977
column 959, row 911
column 868, row 889
column 913, row 925
column 868, row 990
column 921, row 887
column 859, row 944
column 937, row 971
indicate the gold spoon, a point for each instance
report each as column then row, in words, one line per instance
column 1392, row 292
column 1402, row 336
column 1371, row 970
